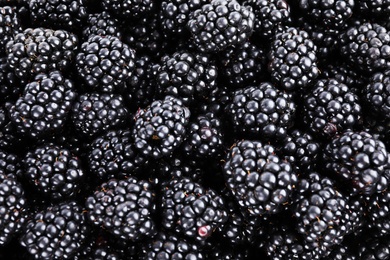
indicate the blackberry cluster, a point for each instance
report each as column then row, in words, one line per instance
column 102, row 24
column 377, row 93
column 130, row 9
column 9, row 26
column 10, row 85
column 9, row 139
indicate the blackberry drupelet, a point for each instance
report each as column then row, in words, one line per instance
column 377, row 92
column 9, row 163
column 359, row 160
column 102, row 24
column 13, row 206
column 58, row 14
column 220, row 24
column 244, row 65
column 161, row 127
column 129, row 9
column 113, row 155
column 53, row 171
column 43, row 107
column 293, row 60
column 367, row 47
column 331, row 108
column 165, row 246
column 105, row 63
column 9, row 26
column 95, row 113
column 378, row 213
column 260, row 181
column 10, row 85
column 57, row 232
column 374, row 248
column 261, row 110
column 9, row 138
column 40, row 50
column 191, row 210
column 124, row 208
column 374, row 8
column 187, row 76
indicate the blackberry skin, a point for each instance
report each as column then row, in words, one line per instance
column 376, row 94
column 44, row 105
column 243, row 65
column 124, row 208
column 113, row 155
column 57, row 232
column 186, row 76
column 41, row 50
column 359, row 160
column 220, row 24
column 95, row 113
column 301, row 150
column 10, row 85
column 165, row 246
column 331, row 14
column 105, row 63
column 161, row 127
column 378, row 212
column 9, row 26
column 129, row 9
column 9, row 138
column 59, row 14
column 205, row 137
column 367, row 47
column 13, row 206
column 9, row 163
column 54, row 171
column 261, row 110
column 259, row 180
column 102, row 24
column 191, row 210
column 269, row 16
column 331, row 108
column 292, row 60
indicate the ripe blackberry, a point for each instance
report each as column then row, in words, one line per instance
column 331, row 14
column 301, row 150
column 40, row 50
column 132, row 9
column 105, row 63
column 331, row 108
column 10, row 85
column 376, row 93
column 220, row 24
column 165, row 246
column 259, row 180
column 374, row 8
column 9, row 138
column 269, row 16
column 113, row 155
column 161, row 127
column 59, row 14
column 102, row 24
column 293, row 60
column 243, row 65
column 360, row 160
column 261, row 110
column 13, row 205
column 124, row 208
column 374, row 248
column 9, row 26
column 186, row 76
column 44, row 105
column 191, row 210
column 54, row 171
column 378, row 213
column 94, row 113
column 366, row 46
column 57, row 232
column 9, row 163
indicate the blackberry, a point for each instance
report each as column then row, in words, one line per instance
column 258, row 179
column 165, row 246
column 105, row 62
column 293, row 60
column 374, row 248
column 102, row 24
column 131, row 9
column 331, row 14
column 9, row 26
column 44, row 105
column 94, row 113
column 360, row 160
column 40, row 50
column 57, row 232
column 54, row 171
column 243, row 65
column 9, row 163
column 186, row 76
column 220, row 24
column 191, row 210
column 366, row 46
column 113, row 155
column 59, row 14
column 374, row 8
column 331, row 108
column 10, row 85
column 161, row 127
column 13, row 206
column 376, row 94
column 261, row 110
column 378, row 212
column 124, row 208
column 9, row 139
column 269, row 16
